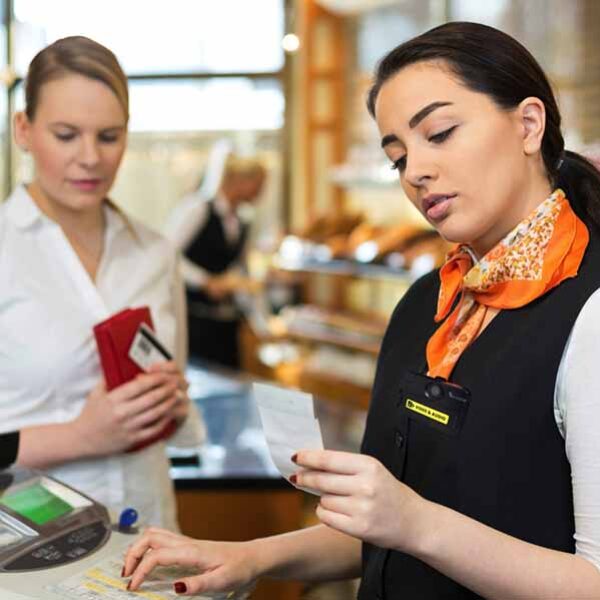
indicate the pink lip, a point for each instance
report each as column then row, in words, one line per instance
column 85, row 184
column 436, row 206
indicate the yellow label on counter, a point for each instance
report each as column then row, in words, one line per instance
column 428, row 412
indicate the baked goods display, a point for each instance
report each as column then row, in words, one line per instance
column 351, row 239
column 322, row 228
column 330, row 341
column 336, row 326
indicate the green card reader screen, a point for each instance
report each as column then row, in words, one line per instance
column 37, row 504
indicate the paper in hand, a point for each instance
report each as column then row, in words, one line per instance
column 289, row 425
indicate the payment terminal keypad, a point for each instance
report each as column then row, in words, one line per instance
column 103, row 581
column 61, row 550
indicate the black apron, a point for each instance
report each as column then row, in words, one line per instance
column 213, row 327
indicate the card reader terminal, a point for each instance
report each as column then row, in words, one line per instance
column 45, row 523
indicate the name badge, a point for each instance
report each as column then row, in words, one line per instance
column 435, row 402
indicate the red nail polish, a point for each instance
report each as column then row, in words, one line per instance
column 295, row 458
column 128, row 586
column 293, row 478
column 180, row 587
column 123, row 572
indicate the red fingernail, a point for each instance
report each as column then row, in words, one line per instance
column 293, row 478
column 128, row 586
column 295, row 458
column 123, row 572
column 180, row 587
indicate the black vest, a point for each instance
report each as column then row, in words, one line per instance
column 210, row 250
column 507, row 468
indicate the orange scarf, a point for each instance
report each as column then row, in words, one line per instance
column 539, row 253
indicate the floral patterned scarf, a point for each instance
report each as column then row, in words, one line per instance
column 539, row 253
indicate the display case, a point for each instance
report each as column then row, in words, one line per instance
column 326, row 339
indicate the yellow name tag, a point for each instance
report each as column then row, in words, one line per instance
column 428, row 412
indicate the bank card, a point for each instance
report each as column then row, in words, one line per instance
column 146, row 348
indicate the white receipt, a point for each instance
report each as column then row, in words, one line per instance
column 289, row 425
column 281, row 399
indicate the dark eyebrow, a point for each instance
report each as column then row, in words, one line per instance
column 388, row 139
column 414, row 121
column 424, row 112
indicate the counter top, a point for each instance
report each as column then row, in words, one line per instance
column 235, row 455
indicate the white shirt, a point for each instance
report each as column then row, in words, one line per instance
column 577, row 413
column 48, row 357
column 184, row 223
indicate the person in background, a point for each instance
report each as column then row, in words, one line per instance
column 69, row 258
column 506, row 505
column 212, row 235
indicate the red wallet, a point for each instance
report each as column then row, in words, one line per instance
column 114, row 337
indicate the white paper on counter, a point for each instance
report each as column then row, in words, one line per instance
column 289, row 425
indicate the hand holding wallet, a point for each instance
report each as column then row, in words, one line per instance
column 114, row 337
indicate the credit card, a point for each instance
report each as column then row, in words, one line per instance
column 146, row 349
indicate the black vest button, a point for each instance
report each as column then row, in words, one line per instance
column 398, row 439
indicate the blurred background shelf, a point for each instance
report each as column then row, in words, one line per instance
column 347, row 268
column 335, row 389
column 334, row 339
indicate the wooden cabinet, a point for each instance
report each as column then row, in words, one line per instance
column 239, row 515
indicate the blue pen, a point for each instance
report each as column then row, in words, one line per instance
column 126, row 520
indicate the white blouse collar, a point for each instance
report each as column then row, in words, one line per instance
column 22, row 210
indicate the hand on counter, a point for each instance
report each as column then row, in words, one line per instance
column 222, row 566
column 132, row 413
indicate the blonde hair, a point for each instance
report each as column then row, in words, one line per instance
column 240, row 166
column 79, row 55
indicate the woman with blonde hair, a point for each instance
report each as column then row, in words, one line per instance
column 212, row 235
column 69, row 258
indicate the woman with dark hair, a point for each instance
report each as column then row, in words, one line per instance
column 495, row 493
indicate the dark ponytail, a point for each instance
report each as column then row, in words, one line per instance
column 580, row 179
column 491, row 62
